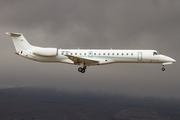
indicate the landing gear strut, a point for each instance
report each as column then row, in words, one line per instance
column 82, row 70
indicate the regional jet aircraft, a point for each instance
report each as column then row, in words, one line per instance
column 86, row 57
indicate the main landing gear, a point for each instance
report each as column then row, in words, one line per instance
column 82, row 69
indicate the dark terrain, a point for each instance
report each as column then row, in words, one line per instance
column 48, row 104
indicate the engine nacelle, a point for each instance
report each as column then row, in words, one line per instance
column 47, row 52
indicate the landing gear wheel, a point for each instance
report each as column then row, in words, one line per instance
column 83, row 70
column 163, row 69
column 80, row 69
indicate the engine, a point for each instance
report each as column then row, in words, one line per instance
column 47, row 52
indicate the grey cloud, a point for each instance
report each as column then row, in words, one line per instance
column 96, row 24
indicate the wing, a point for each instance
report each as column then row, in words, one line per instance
column 78, row 60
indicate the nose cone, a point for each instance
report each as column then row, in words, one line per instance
column 173, row 60
column 167, row 59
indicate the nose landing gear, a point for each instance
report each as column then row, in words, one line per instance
column 163, row 69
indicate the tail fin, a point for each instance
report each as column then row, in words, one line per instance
column 20, row 43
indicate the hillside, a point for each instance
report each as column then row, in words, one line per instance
column 48, row 104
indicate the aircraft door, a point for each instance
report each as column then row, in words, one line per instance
column 139, row 56
column 90, row 54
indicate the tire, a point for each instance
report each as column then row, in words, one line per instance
column 83, row 70
column 80, row 69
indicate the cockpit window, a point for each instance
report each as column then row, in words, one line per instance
column 156, row 53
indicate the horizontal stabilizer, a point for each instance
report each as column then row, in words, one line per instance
column 13, row 34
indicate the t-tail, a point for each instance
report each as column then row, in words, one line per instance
column 22, row 45
column 20, row 42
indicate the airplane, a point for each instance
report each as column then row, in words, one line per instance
column 86, row 57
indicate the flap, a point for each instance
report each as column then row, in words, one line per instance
column 81, row 60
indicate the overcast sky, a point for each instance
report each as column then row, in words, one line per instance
column 118, row 24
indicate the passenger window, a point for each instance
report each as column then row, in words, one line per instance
column 126, row 53
column 99, row 53
column 122, row 53
column 71, row 53
column 108, row 53
column 104, row 54
column 131, row 53
column 84, row 53
column 75, row 53
column 117, row 53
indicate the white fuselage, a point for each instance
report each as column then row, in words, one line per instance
column 106, row 56
column 86, row 57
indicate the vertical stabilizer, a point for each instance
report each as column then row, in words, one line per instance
column 20, row 42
